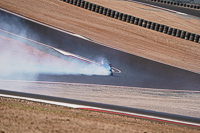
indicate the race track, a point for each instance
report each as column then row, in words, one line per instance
column 136, row 71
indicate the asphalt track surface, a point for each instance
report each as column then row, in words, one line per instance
column 189, row 11
column 136, row 71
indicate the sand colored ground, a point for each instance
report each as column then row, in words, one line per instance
column 117, row 34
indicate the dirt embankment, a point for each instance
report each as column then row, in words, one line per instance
column 117, row 34
column 25, row 116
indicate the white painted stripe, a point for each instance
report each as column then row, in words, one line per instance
column 82, row 106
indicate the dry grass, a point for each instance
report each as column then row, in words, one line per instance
column 25, row 116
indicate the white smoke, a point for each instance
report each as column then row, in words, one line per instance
column 17, row 60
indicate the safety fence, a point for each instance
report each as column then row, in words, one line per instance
column 188, row 5
column 134, row 20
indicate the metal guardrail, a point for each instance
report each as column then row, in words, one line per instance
column 136, row 21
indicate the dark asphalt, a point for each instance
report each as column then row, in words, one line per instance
column 136, row 71
column 189, row 11
column 104, row 106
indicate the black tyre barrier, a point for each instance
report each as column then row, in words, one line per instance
column 187, row 35
column 191, row 37
column 157, row 26
column 97, row 8
column 120, row 16
column 101, row 9
column 82, row 4
column 137, row 21
column 86, row 4
column 132, row 20
column 183, row 33
column 174, row 32
column 112, row 14
column 75, row 2
column 153, row 26
column 140, row 22
column 90, row 6
column 124, row 17
column 108, row 12
column 197, row 38
column 71, row 1
column 78, row 3
column 170, row 31
column 161, row 28
column 105, row 11
column 148, row 24
column 93, row 7
column 165, row 30
column 178, row 33
column 144, row 24
column 128, row 20
column 116, row 15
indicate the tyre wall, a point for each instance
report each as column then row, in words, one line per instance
column 136, row 21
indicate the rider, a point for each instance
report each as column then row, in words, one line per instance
column 105, row 64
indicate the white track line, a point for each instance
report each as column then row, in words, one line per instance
column 76, row 106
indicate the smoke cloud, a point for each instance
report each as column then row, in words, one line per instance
column 21, row 61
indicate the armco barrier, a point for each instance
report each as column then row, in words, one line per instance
column 137, row 21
